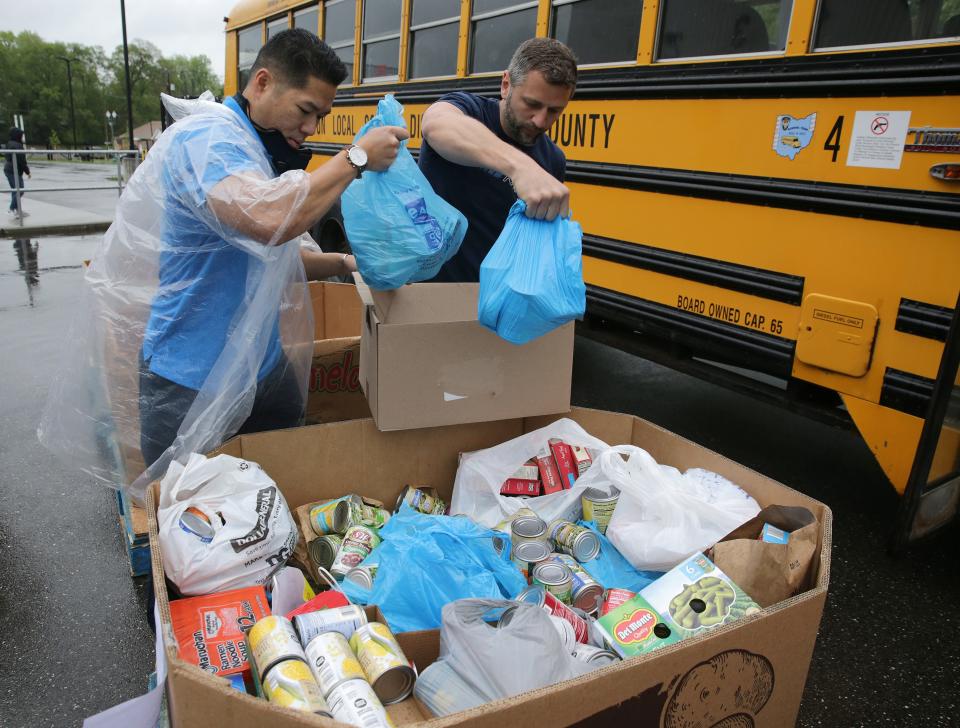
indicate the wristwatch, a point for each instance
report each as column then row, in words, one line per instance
column 357, row 157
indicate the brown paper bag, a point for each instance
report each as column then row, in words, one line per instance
column 770, row 572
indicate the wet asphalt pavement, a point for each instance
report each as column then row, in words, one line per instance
column 74, row 641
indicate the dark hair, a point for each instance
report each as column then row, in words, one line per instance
column 16, row 134
column 296, row 54
column 552, row 58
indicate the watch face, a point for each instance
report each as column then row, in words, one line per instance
column 358, row 156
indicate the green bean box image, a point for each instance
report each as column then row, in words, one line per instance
column 696, row 596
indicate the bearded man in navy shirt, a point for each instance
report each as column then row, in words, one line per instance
column 480, row 154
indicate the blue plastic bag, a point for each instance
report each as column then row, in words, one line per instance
column 399, row 229
column 531, row 281
column 429, row 561
column 612, row 570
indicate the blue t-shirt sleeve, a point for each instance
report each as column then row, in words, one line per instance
column 467, row 103
column 205, row 156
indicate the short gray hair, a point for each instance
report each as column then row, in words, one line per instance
column 552, row 58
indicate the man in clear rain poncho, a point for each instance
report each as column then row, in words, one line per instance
column 196, row 322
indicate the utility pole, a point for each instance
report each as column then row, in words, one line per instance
column 126, row 69
column 73, row 118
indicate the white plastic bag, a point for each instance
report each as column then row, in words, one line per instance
column 524, row 654
column 663, row 516
column 476, row 491
column 223, row 524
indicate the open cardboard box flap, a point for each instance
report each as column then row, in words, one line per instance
column 755, row 667
column 417, row 304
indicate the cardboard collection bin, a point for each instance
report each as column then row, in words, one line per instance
column 426, row 361
column 333, row 391
column 754, row 668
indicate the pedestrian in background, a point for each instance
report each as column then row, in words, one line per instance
column 15, row 181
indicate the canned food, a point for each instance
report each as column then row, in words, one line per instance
column 384, row 663
column 581, row 543
column 586, row 589
column 613, row 598
column 527, row 554
column 545, row 600
column 421, row 501
column 528, row 528
column 595, row 655
column 567, row 635
column 322, row 517
column 332, row 662
column 598, row 506
column 357, row 544
column 273, row 640
column 355, row 702
column 355, row 512
column 290, row 684
column 197, row 523
column 323, row 550
column 362, row 575
column 555, row 578
column 337, row 619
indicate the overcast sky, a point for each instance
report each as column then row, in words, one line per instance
column 176, row 27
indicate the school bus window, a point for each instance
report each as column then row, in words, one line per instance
column 697, row 28
column 249, row 41
column 498, row 27
column 434, row 33
column 857, row 22
column 339, row 18
column 308, row 19
column 275, row 26
column 381, row 39
column 598, row 31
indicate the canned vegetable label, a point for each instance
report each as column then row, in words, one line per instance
column 273, row 640
column 356, row 703
column 579, row 542
column 383, row 661
column 332, row 661
column 556, row 579
column 357, row 544
column 291, row 685
column 599, row 506
column 322, row 516
column 344, row 620
column 422, row 501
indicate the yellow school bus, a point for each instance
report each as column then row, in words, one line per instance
column 768, row 188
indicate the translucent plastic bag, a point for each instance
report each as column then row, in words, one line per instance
column 400, row 230
column 663, row 516
column 147, row 295
column 499, row 661
column 531, row 281
column 428, row 561
column 222, row 524
column 476, row 491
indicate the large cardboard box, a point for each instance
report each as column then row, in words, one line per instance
column 754, row 668
column 333, row 392
column 426, row 361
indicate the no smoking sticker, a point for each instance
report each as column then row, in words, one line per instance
column 878, row 138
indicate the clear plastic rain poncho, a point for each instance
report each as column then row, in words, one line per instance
column 199, row 261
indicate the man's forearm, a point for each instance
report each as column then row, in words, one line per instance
column 464, row 140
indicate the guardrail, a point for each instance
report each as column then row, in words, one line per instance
column 122, row 155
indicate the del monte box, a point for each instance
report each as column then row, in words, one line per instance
column 750, row 672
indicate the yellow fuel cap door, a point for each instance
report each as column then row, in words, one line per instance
column 836, row 334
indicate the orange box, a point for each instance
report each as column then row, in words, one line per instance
column 210, row 629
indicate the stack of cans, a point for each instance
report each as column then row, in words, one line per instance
column 348, row 671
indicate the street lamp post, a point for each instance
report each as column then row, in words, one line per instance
column 126, row 69
column 111, row 118
column 73, row 117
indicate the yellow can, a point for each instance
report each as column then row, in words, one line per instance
column 332, row 661
column 383, row 661
column 290, row 684
column 272, row 640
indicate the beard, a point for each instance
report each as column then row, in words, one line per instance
column 526, row 134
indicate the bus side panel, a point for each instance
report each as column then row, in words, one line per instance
column 891, row 435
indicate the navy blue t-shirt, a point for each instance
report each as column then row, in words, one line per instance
column 484, row 196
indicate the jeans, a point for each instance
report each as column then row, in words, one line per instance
column 13, row 194
column 164, row 404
